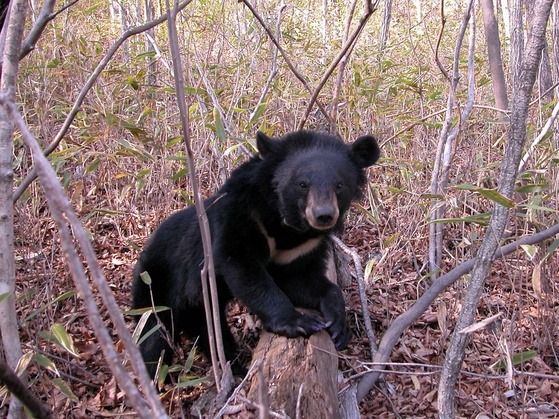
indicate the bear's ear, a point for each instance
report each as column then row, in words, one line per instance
column 365, row 151
column 266, row 146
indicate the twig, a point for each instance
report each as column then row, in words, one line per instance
column 362, row 292
column 369, row 10
column 263, row 396
column 539, row 138
column 285, row 56
column 341, row 70
column 235, row 392
column 274, row 66
column 20, row 390
column 32, row 175
column 208, row 273
column 443, row 157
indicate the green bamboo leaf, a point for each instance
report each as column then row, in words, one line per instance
column 517, row 359
column 63, row 339
column 62, row 297
column 180, row 173
column 5, row 295
column 496, row 197
column 219, row 126
column 190, row 360
column 144, row 276
column 532, row 188
column 140, row 311
column 530, row 250
column 479, row 219
column 44, row 362
column 65, row 389
column 173, row 141
column 466, row 187
column 551, row 249
column 258, row 112
column 193, row 382
column 395, row 190
column 369, row 269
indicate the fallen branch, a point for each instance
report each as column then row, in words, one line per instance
column 404, row 320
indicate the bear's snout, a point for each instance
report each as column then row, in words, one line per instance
column 322, row 212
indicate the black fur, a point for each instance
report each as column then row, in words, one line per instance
column 269, row 224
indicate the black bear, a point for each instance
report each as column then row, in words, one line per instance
column 270, row 226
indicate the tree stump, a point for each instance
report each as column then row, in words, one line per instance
column 301, row 375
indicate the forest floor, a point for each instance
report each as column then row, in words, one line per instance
column 407, row 390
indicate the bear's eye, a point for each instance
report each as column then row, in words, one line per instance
column 303, row 185
column 339, row 185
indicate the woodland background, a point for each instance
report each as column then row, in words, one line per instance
column 122, row 164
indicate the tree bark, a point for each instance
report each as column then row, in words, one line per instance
column 516, row 37
column 522, row 90
column 555, row 62
column 301, row 375
column 494, row 53
column 8, row 315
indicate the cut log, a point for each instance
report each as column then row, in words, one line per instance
column 300, row 374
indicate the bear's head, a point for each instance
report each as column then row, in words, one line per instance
column 316, row 176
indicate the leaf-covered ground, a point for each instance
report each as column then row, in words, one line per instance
column 83, row 387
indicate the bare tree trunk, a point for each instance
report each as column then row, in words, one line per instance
column 494, row 52
column 516, row 37
column 387, row 17
column 555, row 62
column 8, row 315
column 522, row 90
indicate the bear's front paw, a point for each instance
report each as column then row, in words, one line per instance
column 297, row 324
column 340, row 333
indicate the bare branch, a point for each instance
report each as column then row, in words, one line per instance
column 45, row 16
column 208, row 273
column 285, row 56
column 369, row 10
column 20, row 390
column 362, row 293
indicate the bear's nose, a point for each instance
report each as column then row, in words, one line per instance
column 324, row 215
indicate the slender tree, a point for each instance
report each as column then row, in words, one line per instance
column 8, row 317
column 522, row 90
column 516, row 37
column 494, row 53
